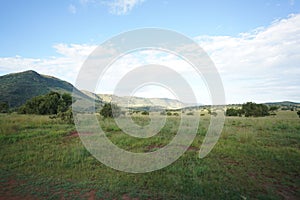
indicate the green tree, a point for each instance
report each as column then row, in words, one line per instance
column 233, row 112
column 49, row 104
column 110, row 110
column 298, row 113
column 4, row 108
column 145, row 112
column 66, row 116
column 273, row 108
column 255, row 110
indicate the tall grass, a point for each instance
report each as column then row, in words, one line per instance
column 255, row 158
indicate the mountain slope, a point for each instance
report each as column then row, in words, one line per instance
column 17, row 88
column 139, row 102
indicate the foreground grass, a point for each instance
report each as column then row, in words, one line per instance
column 255, row 158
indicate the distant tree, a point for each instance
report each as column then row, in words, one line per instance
column 110, row 110
column 4, row 108
column 145, row 113
column 255, row 110
column 169, row 113
column 298, row 113
column 67, row 98
column 64, row 103
column 49, row 104
column 175, row 114
column 233, row 112
column 273, row 108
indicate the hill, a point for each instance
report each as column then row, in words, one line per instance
column 137, row 102
column 283, row 103
column 17, row 88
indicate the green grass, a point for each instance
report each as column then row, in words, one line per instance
column 255, row 158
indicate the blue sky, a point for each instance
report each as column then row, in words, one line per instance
column 54, row 37
column 30, row 28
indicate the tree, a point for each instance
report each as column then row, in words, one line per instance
column 233, row 112
column 48, row 104
column 255, row 110
column 66, row 116
column 145, row 112
column 4, row 108
column 273, row 108
column 110, row 110
column 298, row 113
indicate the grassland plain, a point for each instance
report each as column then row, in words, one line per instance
column 255, row 158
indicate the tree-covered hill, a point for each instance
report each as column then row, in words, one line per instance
column 17, row 88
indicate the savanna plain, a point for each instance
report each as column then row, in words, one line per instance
column 255, row 158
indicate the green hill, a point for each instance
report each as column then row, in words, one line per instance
column 17, row 88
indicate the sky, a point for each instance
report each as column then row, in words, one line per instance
column 253, row 44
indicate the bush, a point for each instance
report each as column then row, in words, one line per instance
column 4, row 108
column 233, row 112
column 110, row 110
column 298, row 113
column 145, row 113
column 49, row 104
column 273, row 108
column 66, row 116
column 255, row 110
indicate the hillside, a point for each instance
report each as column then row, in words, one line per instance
column 17, row 88
column 136, row 102
column 140, row 102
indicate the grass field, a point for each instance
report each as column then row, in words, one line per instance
column 255, row 158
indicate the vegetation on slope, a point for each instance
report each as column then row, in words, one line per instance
column 17, row 88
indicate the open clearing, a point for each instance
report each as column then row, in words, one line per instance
column 255, row 158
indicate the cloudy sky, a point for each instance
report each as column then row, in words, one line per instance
column 253, row 44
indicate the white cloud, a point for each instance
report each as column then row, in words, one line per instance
column 72, row 9
column 65, row 67
column 260, row 65
column 122, row 7
column 116, row 7
column 263, row 65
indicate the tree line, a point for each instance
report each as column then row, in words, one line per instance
column 55, row 104
column 251, row 109
column 59, row 105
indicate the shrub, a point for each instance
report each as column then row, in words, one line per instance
column 66, row 116
column 49, row 104
column 145, row 113
column 110, row 110
column 4, row 108
column 255, row 110
column 233, row 112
